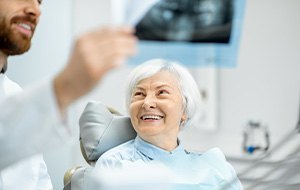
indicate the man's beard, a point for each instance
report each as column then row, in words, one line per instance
column 11, row 43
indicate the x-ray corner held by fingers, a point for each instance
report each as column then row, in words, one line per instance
column 193, row 32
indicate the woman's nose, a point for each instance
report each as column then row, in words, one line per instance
column 149, row 102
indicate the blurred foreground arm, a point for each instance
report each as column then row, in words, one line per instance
column 31, row 121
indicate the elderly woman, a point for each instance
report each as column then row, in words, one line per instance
column 162, row 98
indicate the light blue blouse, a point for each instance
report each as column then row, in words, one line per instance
column 208, row 170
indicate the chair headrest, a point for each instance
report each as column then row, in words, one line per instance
column 101, row 130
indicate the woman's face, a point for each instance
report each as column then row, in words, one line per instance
column 156, row 109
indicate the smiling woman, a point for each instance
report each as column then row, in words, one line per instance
column 157, row 110
column 162, row 97
column 158, row 88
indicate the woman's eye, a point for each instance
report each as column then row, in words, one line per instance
column 162, row 92
column 138, row 94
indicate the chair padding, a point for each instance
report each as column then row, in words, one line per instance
column 101, row 130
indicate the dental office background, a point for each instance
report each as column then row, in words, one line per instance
column 263, row 85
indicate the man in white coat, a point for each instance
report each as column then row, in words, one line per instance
column 30, row 173
column 33, row 120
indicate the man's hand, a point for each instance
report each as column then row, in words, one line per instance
column 94, row 54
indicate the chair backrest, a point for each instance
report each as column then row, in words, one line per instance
column 101, row 128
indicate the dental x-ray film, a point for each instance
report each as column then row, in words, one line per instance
column 193, row 32
column 187, row 20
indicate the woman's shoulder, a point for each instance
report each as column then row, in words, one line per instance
column 213, row 153
column 116, row 154
column 213, row 157
column 120, row 150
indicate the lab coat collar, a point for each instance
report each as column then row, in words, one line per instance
column 4, row 68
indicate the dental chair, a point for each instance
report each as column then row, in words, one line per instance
column 101, row 128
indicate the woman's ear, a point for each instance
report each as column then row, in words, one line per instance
column 183, row 118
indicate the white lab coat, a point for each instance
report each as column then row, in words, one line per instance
column 30, row 173
column 30, row 122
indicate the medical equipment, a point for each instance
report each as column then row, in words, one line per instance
column 262, row 173
column 256, row 138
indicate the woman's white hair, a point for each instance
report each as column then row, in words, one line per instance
column 189, row 89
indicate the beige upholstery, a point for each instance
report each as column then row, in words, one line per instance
column 101, row 128
column 68, row 176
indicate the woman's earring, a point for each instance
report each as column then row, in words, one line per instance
column 182, row 122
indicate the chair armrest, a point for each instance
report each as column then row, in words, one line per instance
column 68, row 176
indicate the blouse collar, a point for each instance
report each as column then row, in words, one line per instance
column 155, row 153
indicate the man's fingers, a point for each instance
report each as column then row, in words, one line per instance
column 112, row 31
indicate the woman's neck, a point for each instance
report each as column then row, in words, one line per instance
column 164, row 143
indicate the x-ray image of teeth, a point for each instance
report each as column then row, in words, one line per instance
column 187, row 20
